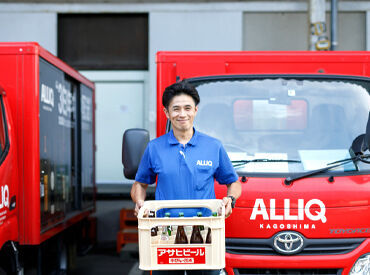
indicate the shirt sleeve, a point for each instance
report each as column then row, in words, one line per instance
column 225, row 173
column 145, row 172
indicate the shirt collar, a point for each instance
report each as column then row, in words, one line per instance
column 172, row 139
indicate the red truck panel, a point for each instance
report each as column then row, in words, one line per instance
column 19, row 76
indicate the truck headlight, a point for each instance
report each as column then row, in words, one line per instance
column 362, row 266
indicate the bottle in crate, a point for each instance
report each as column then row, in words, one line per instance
column 180, row 235
column 153, row 230
column 166, row 232
column 169, row 227
column 199, row 214
column 209, row 234
column 196, row 237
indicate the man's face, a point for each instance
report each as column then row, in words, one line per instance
column 181, row 112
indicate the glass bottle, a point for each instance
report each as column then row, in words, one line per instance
column 199, row 214
column 153, row 230
column 169, row 227
column 164, row 235
column 209, row 234
column 180, row 235
column 196, row 237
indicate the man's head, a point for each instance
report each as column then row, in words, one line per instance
column 180, row 102
column 182, row 87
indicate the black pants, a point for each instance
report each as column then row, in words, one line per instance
column 188, row 272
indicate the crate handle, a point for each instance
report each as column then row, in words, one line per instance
column 159, row 204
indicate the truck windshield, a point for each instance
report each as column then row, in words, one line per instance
column 308, row 121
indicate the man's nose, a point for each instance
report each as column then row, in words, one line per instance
column 182, row 112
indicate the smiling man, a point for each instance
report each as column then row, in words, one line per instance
column 184, row 162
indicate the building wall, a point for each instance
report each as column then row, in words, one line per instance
column 29, row 26
column 289, row 31
column 190, row 31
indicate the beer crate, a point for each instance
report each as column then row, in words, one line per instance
column 156, row 254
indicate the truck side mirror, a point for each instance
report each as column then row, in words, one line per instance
column 366, row 143
column 362, row 143
column 134, row 143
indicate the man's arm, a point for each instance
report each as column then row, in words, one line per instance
column 138, row 194
column 234, row 189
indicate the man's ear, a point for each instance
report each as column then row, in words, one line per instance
column 166, row 112
column 196, row 109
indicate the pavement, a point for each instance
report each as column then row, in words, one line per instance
column 106, row 261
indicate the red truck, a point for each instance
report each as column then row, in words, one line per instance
column 296, row 127
column 47, row 174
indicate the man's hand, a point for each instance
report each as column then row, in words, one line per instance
column 138, row 205
column 138, row 193
column 228, row 210
column 234, row 189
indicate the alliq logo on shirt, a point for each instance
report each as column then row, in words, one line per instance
column 204, row 163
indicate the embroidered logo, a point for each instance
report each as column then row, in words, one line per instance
column 204, row 163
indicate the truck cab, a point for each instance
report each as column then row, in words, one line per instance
column 296, row 127
column 282, row 134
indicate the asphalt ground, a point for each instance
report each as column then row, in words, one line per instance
column 106, row 261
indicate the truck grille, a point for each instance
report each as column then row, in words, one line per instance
column 244, row 271
column 311, row 246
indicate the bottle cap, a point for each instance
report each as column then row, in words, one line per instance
column 214, row 214
column 199, row 214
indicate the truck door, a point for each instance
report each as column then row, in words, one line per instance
column 8, row 174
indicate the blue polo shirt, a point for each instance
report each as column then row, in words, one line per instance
column 185, row 171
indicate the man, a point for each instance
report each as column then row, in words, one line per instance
column 184, row 161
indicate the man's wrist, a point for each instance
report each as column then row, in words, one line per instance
column 233, row 201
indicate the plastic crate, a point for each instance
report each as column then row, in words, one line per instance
column 125, row 236
column 155, row 254
column 127, row 219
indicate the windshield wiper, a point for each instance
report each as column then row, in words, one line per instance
column 337, row 163
column 238, row 163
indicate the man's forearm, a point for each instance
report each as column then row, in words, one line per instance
column 138, row 191
column 234, row 189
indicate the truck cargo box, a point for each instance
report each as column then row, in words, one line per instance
column 52, row 109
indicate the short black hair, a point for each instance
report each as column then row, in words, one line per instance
column 179, row 88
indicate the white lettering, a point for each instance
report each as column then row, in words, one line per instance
column 86, row 108
column 204, row 163
column 287, row 211
column 4, row 196
column 288, row 226
column 300, row 209
column 320, row 215
column 47, row 95
column 66, row 100
column 260, row 209
column 273, row 215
